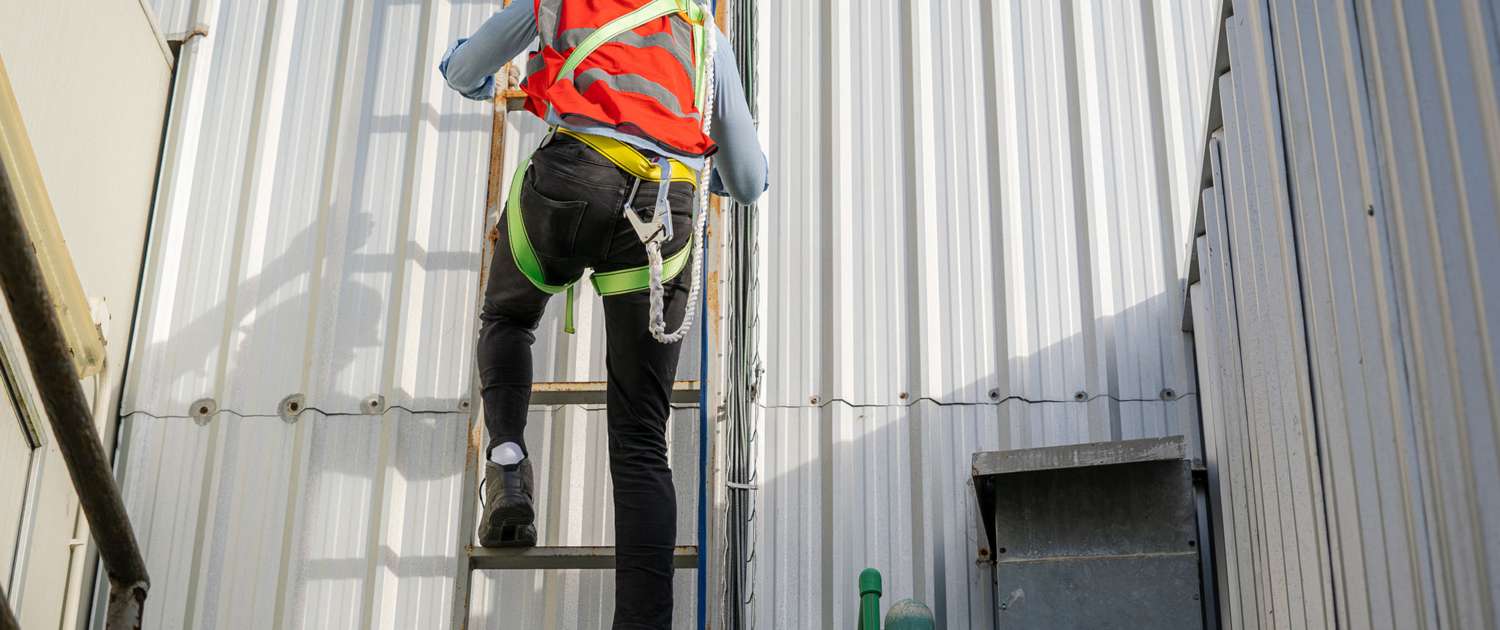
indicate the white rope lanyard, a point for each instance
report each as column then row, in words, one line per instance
column 658, row 323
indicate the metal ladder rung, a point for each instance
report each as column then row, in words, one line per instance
column 486, row 558
column 595, row 392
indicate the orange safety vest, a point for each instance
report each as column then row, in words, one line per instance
column 644, row 81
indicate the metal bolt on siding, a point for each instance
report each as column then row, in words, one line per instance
column 374, row 403
column 202, row 410
column 291, row 406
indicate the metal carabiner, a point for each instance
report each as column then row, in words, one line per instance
column 659, row 228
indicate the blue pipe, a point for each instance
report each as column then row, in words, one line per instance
column 703, row 467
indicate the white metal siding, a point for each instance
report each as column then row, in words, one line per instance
column 976, row 215
column 318, row 223
column 174, row 17
column 1351, row 227
column 319, row 231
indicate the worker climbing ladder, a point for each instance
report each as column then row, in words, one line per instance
column 472, row 557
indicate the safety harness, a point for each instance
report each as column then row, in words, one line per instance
column 663, row 171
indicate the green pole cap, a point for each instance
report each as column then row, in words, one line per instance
column 869, row 582
column 909, row 614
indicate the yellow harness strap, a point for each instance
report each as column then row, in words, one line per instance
column 632, row 160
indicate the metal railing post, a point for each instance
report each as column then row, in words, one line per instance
column 869, row 599
column 69, row 414
column 7, row 618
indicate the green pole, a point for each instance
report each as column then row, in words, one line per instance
column 869, row 600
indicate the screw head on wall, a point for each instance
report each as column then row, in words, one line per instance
column 291, row 407
column 374, row 403
column 202, row 410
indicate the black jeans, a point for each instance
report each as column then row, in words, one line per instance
column 572, row 199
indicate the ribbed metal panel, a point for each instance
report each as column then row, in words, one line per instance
column 1433, row 93
column 972, row 242
column 318, row 227
column 174, row 17
column 1350, row 233
column 319, row 233
column 350, row 521
column 331, row 522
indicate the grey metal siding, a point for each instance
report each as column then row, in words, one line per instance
column 1349, row 236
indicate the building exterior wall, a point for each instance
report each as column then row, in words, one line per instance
column 91, row 81
column 320, row 232
column 973, row 242
column 1345, row 316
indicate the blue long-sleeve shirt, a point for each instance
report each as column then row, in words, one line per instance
column 740, row 167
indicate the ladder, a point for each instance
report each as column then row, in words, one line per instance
column 473, row 558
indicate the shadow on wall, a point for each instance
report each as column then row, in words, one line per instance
column 849, row 486
column 361, row 310
column 307, row 496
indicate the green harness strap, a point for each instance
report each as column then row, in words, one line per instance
column 625, row 280
column 608, row 283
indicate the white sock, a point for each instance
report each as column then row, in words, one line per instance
column 507, row 454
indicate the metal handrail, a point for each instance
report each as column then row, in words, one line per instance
column 69, row 414
column 7, row 618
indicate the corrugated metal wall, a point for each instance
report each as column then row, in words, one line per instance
column 1345, row 315
column 973, row 242
column 319, row 232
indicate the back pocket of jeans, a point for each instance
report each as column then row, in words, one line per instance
column 551, row 225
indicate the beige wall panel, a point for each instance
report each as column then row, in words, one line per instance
column 92, row 79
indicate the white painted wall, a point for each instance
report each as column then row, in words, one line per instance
column 91, row 78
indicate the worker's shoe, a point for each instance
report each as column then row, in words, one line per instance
column 509, row 520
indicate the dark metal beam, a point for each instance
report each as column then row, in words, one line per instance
column 7, row 618
column 487, row 559
column 69, row 413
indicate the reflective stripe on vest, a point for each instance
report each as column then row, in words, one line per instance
column 623, row 64
column 547, row 12
column 676, row 43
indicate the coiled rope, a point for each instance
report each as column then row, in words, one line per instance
column 658, row 323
